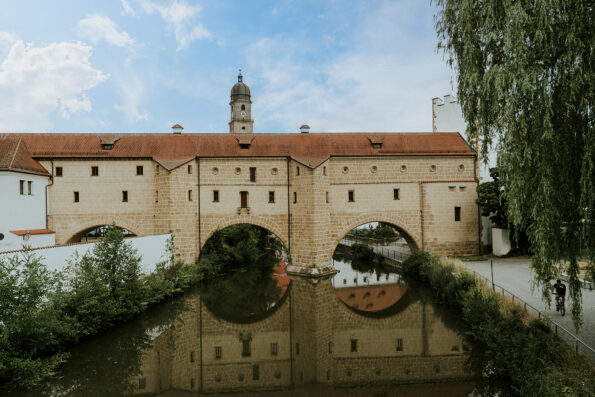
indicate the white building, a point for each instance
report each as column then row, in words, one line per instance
column 23, row 184
column 447, row 115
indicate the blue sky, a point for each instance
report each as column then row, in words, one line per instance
column 144, row 65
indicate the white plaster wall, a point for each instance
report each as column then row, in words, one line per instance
column 18, row 212
column 500, row 241
column 151, row 248
column 486, row 231
column 447, row 115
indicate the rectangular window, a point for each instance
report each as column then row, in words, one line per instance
column 457, row 214
column 271, row 197
column 396, row 194
column 142, row 383
column 125, row 196
column 58, row 171
column 399, row 345
column 216, row 196
column 323, row 170
column 297, row 349
column 192, row 356
column 76, row 197
column 157, row 169
column 189, row 195
column 218, row 352
column 327, row 198
column 350, row 196
column 22, row 187
column 189, row 169
column 330, row 345
column 274, row 349
column 246, row 348
column 139, row 170
column 156, row 196
column 244, row 199
column 255, row 372
column 94, row 171
column 297, row 172
column 192, row 383
column 252, row 174
column 353, row 345
column 29, row 188
column 294, row 197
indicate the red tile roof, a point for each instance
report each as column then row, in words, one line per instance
column 309, row 149
column 372, row 298
column 14, row 156
column 32, row 231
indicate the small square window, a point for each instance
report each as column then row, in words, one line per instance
column 94, row 171
column 399, row 345
column 218, row 352
column 125, row 196
column 189, row 169
column 58, row 171
column 294, row 197
column 457, row 214
column 76, row 197
column 216, row 196
column 139, row 170
column 271, row 197
column 29, row 188
column 351, row 196
column 22, row 187
column 353, row 345
column 189, row 195
column 396, row 194
column 274, row 349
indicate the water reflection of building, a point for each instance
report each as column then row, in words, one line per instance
column 312, row 337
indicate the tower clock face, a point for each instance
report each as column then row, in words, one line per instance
column 243, row 113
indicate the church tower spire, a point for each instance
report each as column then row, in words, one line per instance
column 241, row 108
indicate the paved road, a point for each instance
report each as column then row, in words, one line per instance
column 515, row 275
column 396, row 251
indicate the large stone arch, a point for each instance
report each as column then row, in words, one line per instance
column 84, row 227
column 239, row 219
column 395, row 220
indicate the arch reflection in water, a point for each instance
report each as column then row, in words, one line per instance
column 310, row 338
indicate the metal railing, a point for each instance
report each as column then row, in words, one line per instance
column 570, row 337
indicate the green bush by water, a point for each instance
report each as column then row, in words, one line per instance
column 42, row 312
column 507, row 343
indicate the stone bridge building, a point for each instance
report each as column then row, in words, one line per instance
column 309, row 189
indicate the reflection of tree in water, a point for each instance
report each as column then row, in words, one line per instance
column 105, row 365
column 240, row 260
column 362, row 259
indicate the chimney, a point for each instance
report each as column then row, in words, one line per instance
column 177, row 129
column 305, row 129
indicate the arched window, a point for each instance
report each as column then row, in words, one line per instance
column 243, row 107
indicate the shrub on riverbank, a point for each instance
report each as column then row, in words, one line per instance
column 508, row 343
column 41, row 312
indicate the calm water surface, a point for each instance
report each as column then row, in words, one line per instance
column 363, row 332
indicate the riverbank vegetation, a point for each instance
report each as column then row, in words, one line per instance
column 508, row 344
column 42, row 312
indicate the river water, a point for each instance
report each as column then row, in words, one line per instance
column 363, row 332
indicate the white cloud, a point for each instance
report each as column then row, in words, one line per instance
column 35, row 82
column 128, row 10
column 182, row 18
column 383, row 80
column 133, row 93
column 98, row 27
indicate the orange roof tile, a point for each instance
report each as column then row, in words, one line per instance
column 14, row 156
column 32, row 231
column 309, row 149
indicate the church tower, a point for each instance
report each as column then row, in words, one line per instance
column 241, row 108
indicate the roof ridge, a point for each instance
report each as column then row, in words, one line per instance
column 14, row 154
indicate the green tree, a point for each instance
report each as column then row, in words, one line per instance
column 525, row 80
column 31, row 324
column 105, row 284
